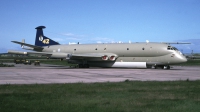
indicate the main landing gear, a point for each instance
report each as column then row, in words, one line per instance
column 166, row 67
column 78, row 64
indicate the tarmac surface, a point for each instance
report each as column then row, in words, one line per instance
column 45, row 74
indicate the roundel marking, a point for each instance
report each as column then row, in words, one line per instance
column 41, row 38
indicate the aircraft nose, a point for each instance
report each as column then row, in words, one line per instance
column 181, row 58
column 184, row 59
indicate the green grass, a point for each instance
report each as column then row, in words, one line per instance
column 128, row 96
column 191, row 62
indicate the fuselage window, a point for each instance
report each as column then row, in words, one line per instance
column 127, row 48
column 143, row 48
column 96, row 49
column 104, row 49
column 74, row 49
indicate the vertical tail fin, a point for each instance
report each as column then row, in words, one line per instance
column 42, row 40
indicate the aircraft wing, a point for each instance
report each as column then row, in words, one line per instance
column 95, row 56
column 29, row 45
column 85, row 56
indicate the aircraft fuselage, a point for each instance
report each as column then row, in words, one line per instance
column 149, row 53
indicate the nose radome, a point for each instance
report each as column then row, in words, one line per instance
column 183, row 59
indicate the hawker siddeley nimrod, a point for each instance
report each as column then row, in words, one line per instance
column 128, row 55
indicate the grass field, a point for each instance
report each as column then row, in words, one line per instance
column 128, row 96
column 192, row 62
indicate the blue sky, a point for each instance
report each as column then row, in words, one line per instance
column 101, row 21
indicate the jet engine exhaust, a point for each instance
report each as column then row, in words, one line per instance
column 105, row 57
column 112, row 58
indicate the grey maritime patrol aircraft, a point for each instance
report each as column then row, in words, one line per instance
column 128, row 55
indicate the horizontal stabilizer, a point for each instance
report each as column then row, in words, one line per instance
column 29, row 45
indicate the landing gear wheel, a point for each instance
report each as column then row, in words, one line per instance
column 168, row 67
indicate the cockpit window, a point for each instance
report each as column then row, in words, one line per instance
column 175, row 48
column 168, row 47
column 171, row 48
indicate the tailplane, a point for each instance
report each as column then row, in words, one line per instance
column 42, row 40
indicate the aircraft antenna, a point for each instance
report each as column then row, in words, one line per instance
column 23, row 41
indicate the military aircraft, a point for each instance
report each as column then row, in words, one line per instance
column 128, row 55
